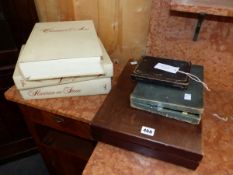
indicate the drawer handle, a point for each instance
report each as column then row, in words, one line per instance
column 49, row 141
column 58, row 119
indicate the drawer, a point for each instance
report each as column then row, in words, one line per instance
column 61, row 123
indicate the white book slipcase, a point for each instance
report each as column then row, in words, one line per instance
column 84, row 88
column 22, row 83
column 61, row 49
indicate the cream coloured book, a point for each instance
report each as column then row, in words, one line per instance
column 61, row 49
column 83, row 88
column 22, row 83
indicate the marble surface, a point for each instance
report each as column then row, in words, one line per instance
column 81, row 108
column 213, row 7
column 217, row 146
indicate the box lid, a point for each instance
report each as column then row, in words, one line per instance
column 119, row 124
column 148, row 71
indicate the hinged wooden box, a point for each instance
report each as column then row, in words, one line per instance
column 119, row 124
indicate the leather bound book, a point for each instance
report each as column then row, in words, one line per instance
column 146, row 72
column 177, row 115
column 166, row 112
column 183, row 105
column 119, row 124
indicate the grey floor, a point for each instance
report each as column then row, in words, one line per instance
column 31, row 165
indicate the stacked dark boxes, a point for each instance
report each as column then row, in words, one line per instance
column 168, row 94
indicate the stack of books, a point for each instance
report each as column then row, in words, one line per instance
column 166, row 91
column 63, row 59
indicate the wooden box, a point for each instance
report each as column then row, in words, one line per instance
column 119, row 124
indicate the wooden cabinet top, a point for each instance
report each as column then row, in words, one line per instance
column 81, row 108
column 212, row 7
column 106, row 159
column 78, row 108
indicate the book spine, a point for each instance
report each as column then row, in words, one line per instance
column 84, row 88
column 177, row 115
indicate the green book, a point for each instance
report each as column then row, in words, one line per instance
column 178, row 115
column 186, row 105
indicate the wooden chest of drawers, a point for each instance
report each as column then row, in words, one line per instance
column 65, row 144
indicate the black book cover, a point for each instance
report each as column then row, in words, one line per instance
column 146, row 72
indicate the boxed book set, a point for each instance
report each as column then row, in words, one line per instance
column 63, row 59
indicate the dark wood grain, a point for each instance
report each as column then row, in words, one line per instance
column 67, row 154
column 16, row 21
column 65, row 144
column 119, row 124
column 58, row 122
column 21, row 17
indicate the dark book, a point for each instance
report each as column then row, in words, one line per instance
column 156, row 97
column 174, row 114
column 146, row 72
column 119, row 124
